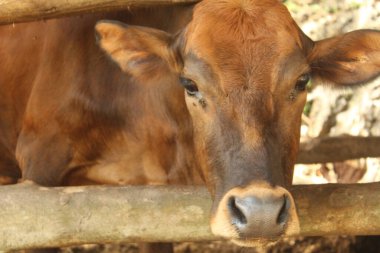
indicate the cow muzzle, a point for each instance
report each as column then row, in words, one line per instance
column 257, row 211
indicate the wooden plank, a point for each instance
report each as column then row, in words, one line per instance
column 34, row 216
column 12, row 11
column 335, row 149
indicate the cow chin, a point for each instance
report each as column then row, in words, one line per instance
column 255, row 216
column 292, row 230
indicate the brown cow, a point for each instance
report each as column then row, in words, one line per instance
column 244, row 65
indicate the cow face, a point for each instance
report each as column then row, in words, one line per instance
column 244, row 65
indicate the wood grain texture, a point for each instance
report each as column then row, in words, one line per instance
column 12, row 11
column 34, row 216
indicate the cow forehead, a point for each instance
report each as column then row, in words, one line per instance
column 241, row 18
column 242, row 38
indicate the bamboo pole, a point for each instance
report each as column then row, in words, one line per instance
column 33, row 216
column 12, row 11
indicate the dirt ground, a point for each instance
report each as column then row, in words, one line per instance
column 341, row 244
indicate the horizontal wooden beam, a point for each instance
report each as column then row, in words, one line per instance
column 12, row 11
column 33, row 216
column 336, row 149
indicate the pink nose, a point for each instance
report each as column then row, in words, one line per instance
column 255, row 211
column 258, row 216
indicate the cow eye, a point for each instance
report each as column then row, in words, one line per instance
column 302, row 82
column 189, row 85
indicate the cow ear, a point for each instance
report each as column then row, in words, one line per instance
column 135, row 49
column 347, row 60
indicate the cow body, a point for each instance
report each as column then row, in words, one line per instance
column 219, row 103
column 65, row 105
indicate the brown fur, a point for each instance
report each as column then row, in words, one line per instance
column 245, row 56
column 66, row 107
column 72, row 116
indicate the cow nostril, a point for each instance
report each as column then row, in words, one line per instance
column 283, row 213
column 238, row 216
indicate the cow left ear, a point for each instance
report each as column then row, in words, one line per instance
column 135, row 49
column 347, row 60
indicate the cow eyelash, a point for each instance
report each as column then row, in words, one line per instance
column 189, row 85
column 302, row 82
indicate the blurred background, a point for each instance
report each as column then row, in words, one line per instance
column 330, row 112
column 327, row 113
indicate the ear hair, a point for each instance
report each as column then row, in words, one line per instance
column 347, row 60
column 135, row 49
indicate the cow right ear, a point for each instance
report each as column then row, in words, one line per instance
column 347, row 60
column 135, row 49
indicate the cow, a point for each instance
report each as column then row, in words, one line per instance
column 218, row 102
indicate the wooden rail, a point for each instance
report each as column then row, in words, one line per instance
column 34, row 216
column 335, row 149
column 12, row 11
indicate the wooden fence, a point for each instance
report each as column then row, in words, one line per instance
column 34, row 216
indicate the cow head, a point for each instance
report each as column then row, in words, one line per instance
column 244, row 65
